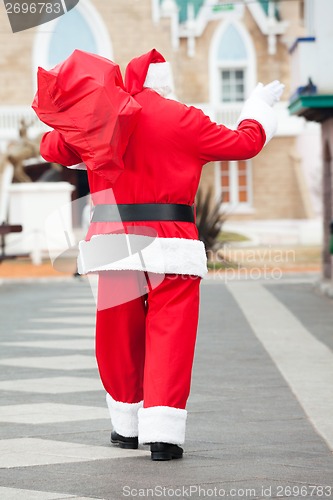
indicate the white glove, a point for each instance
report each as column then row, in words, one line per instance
column 269, row 93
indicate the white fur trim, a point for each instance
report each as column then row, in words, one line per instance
column 135, row 252
column 124, row 416
column 159, row 78
column 162, row 424
column 78, row 166
column 256, row 109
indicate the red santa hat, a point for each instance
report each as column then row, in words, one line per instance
column 149, row 71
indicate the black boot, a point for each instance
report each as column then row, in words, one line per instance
column 130, row 443
column 165, row 451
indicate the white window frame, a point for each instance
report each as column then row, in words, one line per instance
column 234, row 205
column 215, row 65
column 224, row 67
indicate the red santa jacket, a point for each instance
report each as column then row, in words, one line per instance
column 163, row 161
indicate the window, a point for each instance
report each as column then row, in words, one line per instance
column 72, row 32
column 232, row 63
column 236, row 183
column 81, row 28
column 233, row 85
column 232, row 77
column 232, row 70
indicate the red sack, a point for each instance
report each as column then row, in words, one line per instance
column 84, row 99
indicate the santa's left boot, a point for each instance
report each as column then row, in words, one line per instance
column 165, row 451
column 163, row 428
column 124, row 419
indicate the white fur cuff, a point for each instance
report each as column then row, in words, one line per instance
column 162, row 424
column 256, row 109
column 124, row 416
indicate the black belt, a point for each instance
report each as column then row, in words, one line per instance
column 143, row 212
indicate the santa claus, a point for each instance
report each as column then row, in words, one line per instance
column 142, row 240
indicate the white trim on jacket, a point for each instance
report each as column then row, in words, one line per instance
column 106, row 252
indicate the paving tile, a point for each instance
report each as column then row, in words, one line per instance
column 27, row 452
column 61, row 431
column 305, row 362
column 52, row 385
column 85, row 300
column 84, row 310
column 77, row 320
column 18, row 494
column 49, row 412
column 74, row 362
column 313, row 310
column 21, row 372
column 62, row 332
column 75, row 345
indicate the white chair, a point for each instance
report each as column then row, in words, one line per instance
column 6, row 177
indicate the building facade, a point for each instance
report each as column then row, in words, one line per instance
column 312, row 98
column 218, row 52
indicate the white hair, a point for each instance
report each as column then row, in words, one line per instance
column 159, row 78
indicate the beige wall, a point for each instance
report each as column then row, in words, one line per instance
column 131, row 29
column 15, row 64
column 132, row 32
column 276, row 190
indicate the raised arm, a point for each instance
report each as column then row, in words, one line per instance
column 256, row 126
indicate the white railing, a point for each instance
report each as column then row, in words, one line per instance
column 10, row 119
column 222, row 113
column 228, row 114
column 11, row 116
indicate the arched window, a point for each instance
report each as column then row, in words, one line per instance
column 232, row 65
column 65, row 39
column 80, row 28
column 232, row 77
column 232, row 61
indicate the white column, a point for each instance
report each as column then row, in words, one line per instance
column 31, row 204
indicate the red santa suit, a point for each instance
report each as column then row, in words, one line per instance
column 145, row 345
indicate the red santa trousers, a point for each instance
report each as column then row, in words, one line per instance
column 145, row 348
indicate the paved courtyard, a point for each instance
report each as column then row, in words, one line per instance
column 260, row 421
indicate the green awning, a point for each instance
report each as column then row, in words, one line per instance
column 316, row 108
